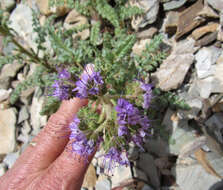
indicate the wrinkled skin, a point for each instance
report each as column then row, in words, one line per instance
column 47, row 163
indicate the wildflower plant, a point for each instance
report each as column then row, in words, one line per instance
column 102, row 69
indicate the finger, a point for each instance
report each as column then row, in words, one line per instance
column 50, row 142
column 66, row 172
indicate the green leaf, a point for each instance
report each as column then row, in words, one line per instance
column 95, row 36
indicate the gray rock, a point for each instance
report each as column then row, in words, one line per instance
column 147, row 164
column 7, row 130
column 216, row 4
column 23, row 114
column 9, row 71
column 25, row 130
column 175, row 4
column 120, row 174
column 5, row 83
column 21, row 22
column 4, row 94
column 7, row 4
column 215, row 125
column 173, row 70
column 157, row 146
column 151, row 8
column 179, row 132
column 10, row 159
column 147, row 187
column 133, row 152
column 186, row 46
column 212, row 84
column 3, row 168
column 195, row 107
column 206, row 58
column 139, row 174
column 104, row 184
column 191, row 175
column 37, row 120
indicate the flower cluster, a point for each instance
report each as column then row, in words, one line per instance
column 80, row 145
column 129, row 116
column 147, row 88
column 115, row 156
column 60, row 89
column 88, row 84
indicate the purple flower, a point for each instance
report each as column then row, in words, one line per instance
column 81, row 145
column 130, row 116
column 89, row 84
column 115, row 156
column 60, row 90
column 63, row 74
column 122, row 130
column 138, row 140
column 148, row 94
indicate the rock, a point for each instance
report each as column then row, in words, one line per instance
column 21, row 22
column 120, row 175
column 10, row 159
column 133, row 152
column 188, row 19
column 147, row 164
column 44, row 7
column 195, row 107
column 139, row 46
column 173, row 70
column 10, row 70
column 186, row 46
column 206, row 40
column 194, row 176
column 216, row 162
column 214, row 124
column 75, row 19
column 192, row 146
column 179, row 132
column 200, row 32
column 171, row 22
column 90, row 178
column 3, row 168
column 25, row 130
column 175, row 4
column 147, row 187
column 37, row 120
column 26, row 96
column 139, row 174
column 149, row 33
column 208, row 12
column 157, row 147
column 205, row 59
column 4, row 94
column 7, row 130
column 104, row 184
column 207, row 86
column 23, row 114
column 7, row 4
column 151, row 8
column 216, row 4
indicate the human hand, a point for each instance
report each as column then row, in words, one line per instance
column 47, row 164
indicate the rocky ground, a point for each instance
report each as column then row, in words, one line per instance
column 191, row 159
